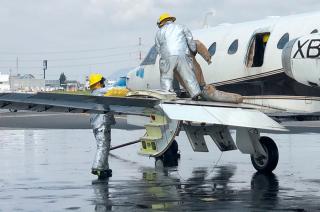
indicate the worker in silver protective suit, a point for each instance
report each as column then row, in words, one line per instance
column 175, row 44
column 203, row 51
column 101, row 125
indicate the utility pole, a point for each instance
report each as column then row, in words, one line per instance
column 140, row 53
column 211, row 12
column 45, row 66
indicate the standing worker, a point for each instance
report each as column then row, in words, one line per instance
column 175, row 44
column 203, row 51
column 101, row 125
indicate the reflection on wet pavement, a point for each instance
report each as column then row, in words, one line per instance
column 49, row 170
column 158, row 190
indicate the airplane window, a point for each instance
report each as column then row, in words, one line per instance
column 212, row 48
column 283, row 41
column 314, row 31
column 233, row 47
column 151, row 57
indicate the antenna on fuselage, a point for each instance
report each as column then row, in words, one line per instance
column 212, row 13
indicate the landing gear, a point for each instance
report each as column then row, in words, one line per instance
column 170, row 157
column 266, row 164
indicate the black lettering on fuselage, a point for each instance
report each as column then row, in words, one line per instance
column 300, row 49
column 315, row 46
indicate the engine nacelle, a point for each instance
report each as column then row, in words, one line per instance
column 301, row 59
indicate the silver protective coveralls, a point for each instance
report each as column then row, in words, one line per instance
column 101, row 125
column 173, row 43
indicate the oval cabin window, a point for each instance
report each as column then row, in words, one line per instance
column 283, row 41
column 212, row 48
column 233, row 47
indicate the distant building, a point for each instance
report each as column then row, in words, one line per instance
column 72, row 85
column 87, row 84
column 4, row 82
column 52, row 85
column 26, row 83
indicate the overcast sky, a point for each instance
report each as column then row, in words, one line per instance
column 82, row 36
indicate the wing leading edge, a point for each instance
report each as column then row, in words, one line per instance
column 52, row 102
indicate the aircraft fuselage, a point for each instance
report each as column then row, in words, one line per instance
column 243, row 64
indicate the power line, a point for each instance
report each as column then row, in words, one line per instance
column 92, row 64
column 75, row 65
column 72, row 58
column 69, row 51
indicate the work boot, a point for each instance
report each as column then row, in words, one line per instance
column 102, row 174
column 210, row 93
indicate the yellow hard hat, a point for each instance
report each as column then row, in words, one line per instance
column 163, row 17
column 94, row 78
column 266, row 38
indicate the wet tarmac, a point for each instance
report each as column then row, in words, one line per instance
column 49, row 170
column 51, row 120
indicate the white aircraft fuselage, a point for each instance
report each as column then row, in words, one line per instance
column 283, row 73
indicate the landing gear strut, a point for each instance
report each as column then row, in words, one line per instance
column 170, row 157
column 266, row 164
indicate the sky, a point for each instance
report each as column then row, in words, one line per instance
column 79, row 37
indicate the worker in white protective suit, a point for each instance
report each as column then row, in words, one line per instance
column 101, row 125
column 175, row 44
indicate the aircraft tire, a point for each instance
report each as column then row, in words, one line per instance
column 266, row 165
column 170, row 157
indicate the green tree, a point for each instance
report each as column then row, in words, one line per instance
column 62, row 78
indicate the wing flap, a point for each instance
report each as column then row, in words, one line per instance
column 238, row 117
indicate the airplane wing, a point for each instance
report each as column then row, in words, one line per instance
column 237, row 115
column 68, row 103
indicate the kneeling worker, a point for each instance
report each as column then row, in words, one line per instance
column 101, row 125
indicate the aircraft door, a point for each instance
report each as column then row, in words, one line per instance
column 256, row 51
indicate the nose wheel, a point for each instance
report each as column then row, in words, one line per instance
column 267, row 163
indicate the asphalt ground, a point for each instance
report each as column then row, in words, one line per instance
column 51, row 120
column 49, row 170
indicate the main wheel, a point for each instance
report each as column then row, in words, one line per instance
column 269, row 163
column 170, row 157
